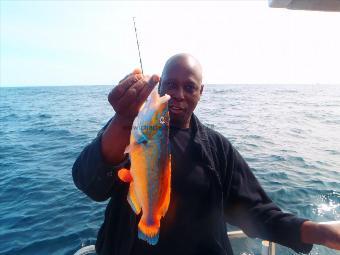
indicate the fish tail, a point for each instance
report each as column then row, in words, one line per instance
column 147, row 232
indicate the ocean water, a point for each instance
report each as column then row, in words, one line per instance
column 289, row 135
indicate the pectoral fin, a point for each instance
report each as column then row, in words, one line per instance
column 129, row 148
column 125, row 175
column 140, row 139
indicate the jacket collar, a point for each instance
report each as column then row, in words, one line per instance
column 198, row 130
column 200, row 139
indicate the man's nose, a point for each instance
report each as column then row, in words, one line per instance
column 178, row 94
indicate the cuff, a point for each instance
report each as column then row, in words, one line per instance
column 103, row 177
column 295, row 236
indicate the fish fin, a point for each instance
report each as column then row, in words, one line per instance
column 148, row 233
column 125, row 175
column 133, row 201
column 128, row 148
column 167, row 189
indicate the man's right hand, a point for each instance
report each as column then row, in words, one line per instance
column 128, row 96
column 126, row 99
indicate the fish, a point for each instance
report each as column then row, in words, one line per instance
column 149, row 175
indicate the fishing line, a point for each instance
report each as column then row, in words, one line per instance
column 140, row 59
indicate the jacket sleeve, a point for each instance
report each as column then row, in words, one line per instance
column 249, row 207
column 92, row 175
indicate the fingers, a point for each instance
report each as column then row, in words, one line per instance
column 118, row 91
column 128, row 99
column 135, row 71
column 131, row 92
column 145, row 92
column 137, row 94
column 124, row 84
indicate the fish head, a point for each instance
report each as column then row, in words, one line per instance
column 153, row 118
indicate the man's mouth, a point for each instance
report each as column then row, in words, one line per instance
column 175, row 109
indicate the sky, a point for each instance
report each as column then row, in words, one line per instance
column 58, row 43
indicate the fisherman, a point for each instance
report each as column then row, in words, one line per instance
column 211, row 183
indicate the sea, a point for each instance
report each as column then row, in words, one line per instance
column 288, row 134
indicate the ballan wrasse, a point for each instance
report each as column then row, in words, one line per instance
column 150, row 172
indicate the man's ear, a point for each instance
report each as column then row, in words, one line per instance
column 202, row 86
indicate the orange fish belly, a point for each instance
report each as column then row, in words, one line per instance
column 149, row 189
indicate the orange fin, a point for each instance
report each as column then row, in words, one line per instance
column 148, row 233
column 125, row 175
column 133, row 201
column 128, row 149
column 167, row 189
column 131, row 147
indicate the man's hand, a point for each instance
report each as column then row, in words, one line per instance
column 126, row 99
column 131, row 92
column 327, row 234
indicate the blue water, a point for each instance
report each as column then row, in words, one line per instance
column 290, row 136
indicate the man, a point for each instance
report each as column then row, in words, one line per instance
column 211, row 182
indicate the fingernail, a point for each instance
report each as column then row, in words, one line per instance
column 137, row 71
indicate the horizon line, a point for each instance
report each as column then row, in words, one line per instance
column 207, row 84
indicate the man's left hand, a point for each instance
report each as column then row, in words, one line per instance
column 327, row 234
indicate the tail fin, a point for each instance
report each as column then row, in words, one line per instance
column 148, row 233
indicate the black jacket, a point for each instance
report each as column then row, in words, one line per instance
column 242, row 200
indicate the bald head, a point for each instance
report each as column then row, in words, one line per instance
column 182, row 80
column 186, row 62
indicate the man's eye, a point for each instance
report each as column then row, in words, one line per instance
column 190, row 88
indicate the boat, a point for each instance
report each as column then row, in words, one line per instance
column 268, row 248
column 309, row 5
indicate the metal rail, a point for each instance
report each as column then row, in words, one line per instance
column 268, row 248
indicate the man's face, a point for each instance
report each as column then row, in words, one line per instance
column 182, row 81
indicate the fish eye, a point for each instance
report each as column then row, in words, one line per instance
column 161, row 120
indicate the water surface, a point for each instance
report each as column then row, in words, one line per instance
column 289, row 135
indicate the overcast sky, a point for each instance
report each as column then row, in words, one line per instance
column 93, row 42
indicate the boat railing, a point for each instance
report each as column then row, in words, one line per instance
column 268, row 248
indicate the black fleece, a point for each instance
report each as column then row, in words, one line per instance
column 234, row 193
